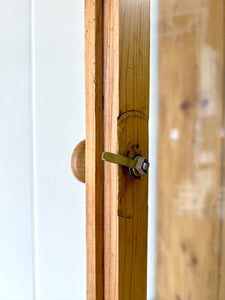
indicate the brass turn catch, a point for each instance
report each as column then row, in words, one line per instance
column 137, row 164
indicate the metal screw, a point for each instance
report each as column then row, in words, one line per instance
column 145, row 166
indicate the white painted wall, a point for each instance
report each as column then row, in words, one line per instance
column 42, row 117
column 16, row 280
column 153, row 135
column 42, row 216
column 59, row 126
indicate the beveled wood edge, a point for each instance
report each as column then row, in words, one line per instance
column 94, row 148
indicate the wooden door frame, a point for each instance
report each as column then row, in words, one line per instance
column 117, row 50
column 94, row 148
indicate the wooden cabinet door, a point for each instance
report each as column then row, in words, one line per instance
column 117, row 52
column 190, row 199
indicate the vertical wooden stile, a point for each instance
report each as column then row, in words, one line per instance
column 190, row 239
column 126, row 112
column 94, row 147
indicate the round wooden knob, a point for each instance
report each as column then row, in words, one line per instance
column 78, row 161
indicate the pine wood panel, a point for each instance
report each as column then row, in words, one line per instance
column 94, row 147
column 126, row 111
column 190, row 239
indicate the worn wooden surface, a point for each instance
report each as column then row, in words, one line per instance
column 190, row 239
column 94, row 147
column 126, row 111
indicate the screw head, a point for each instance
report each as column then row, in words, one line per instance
column 145, row 166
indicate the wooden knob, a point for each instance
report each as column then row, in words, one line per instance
column 78, row 161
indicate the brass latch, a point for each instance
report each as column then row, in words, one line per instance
column 137, row 164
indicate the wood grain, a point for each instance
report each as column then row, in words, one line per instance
column 126, row 111
column 94, row 147
column 78, row 161
column 190, row 239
